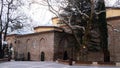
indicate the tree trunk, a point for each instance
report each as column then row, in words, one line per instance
column 1, row 51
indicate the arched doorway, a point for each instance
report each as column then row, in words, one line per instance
column 42, row 56
column 28, row 56
column 65, row 56
column 106, row 56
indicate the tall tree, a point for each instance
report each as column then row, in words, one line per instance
column 86, row 20
column 103, row 30
column 9, row 18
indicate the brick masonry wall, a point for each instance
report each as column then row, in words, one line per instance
column 48, row 43
column 114, row 39
column 35, row 44
column 64, row 42
column 95, row 56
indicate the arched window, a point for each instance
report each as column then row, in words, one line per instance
column 42, row 42
column 64, row 42
column 27, row 41
column 34, row 43
column 27, row 45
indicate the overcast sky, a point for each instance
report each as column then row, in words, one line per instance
column 112, row 2
column 40, row 15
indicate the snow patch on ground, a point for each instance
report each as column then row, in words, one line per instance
column 33, row 64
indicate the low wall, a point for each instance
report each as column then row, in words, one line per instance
column 89, row 62
column 3, row 60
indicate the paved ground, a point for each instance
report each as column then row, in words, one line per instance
column 32, row 64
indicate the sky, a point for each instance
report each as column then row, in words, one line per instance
column 111, row 2
column 40, row 15
column 37, row 14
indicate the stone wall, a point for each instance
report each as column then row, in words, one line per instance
column 64, row 46
column 60, row 42
column 11, row 41
column 55, row 43
column 114, row 38
column 35, row 43
column 112, row 12
column 95, row 56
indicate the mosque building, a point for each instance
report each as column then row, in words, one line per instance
column 50, row 43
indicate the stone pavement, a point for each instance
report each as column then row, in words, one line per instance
column 37, row 64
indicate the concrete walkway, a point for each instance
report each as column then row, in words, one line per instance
column 34, row 64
